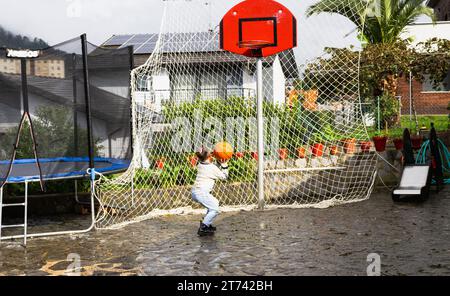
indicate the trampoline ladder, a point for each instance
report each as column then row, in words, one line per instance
column 25, row 220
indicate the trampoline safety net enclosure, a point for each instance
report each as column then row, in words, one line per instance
column 64, row 109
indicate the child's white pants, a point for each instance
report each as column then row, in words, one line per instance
column 208, row 201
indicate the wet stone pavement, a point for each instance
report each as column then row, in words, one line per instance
column 411, row 239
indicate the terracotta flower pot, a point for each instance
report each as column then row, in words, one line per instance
column 416, row 142
column 159, row 164
column 349, row 146
column 301, row 152
column 193, row 160
column 283, row 153
column 380, row 143
column 334, row 150
column 239, row 154
column 365, row 146
column 254, row 155
column 317, row 149
column 398, row 143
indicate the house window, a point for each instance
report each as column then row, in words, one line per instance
column 183, row 87
column 144, row 83
column 234, row 81
column 428, row 85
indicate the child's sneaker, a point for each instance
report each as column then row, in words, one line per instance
column 204, row 230
column 212, row 227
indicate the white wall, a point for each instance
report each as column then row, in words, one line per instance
column 248, row 82
column 279, row 82
column 423, row 32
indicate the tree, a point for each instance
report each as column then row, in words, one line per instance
column 385, row 57
column 378, row 21
column 381, row 65
column 55, row 135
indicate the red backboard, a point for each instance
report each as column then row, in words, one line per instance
column 258, row 28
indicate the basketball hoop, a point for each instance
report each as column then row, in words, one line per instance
column 254, row 44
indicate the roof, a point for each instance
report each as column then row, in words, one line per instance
column 173, row 42
column 199, row 45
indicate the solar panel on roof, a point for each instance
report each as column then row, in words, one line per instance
column 173, row 42
column 117, row 40
column 145, row 48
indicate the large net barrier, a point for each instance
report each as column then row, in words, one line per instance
column 190, row 94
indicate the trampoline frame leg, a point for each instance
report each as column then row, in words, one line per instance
column 25, row 236
column 1, row 210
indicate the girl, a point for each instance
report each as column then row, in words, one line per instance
column 207, row 174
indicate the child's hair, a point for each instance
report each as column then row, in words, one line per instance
column 202, row 154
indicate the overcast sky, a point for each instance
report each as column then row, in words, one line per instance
column 58, row 20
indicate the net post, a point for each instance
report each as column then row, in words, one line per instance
column 88, row 99
column 23, row 70
column 131, row 59
column 260, row 124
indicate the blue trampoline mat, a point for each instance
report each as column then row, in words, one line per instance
column 59, row 168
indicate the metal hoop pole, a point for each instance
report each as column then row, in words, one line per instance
column 260, row 124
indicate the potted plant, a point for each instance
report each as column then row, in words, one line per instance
column 380, row 140
column 239, row 154
column 317, row 145
column 349, row 145
column 159, row 164
column 397, row 138
column 416, row 141
column 331, row 136
column 299, row 146
column 193, row 160
column 283, row 153
column 301, row 152
column 254, row 155
column 365, row 146
column 334, row 150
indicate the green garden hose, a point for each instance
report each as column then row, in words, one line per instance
column 445, row 156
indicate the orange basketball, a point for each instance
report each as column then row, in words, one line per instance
column 223, row 151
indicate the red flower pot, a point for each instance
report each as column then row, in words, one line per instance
column 239, row 154
column 317, row 149
column 283, row 153
column 334, row 150
column 398, row 143
column 416, row 142
column 193, row 160
column 349, row 146
column 254, row 155
column 159, row 164
column 380, row 143
column 301, row 152
column 365, row 146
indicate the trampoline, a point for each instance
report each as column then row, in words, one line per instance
column 70, row 123
column 27, row 170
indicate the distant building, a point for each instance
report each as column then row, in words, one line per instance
column 11, row 66
column 428, row 98
column 240, row 81
column 441, row 9
column 45, row 67
column 54, row 68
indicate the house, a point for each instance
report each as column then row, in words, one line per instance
column 428, row 99
column 441, row 9
column 235, row 75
